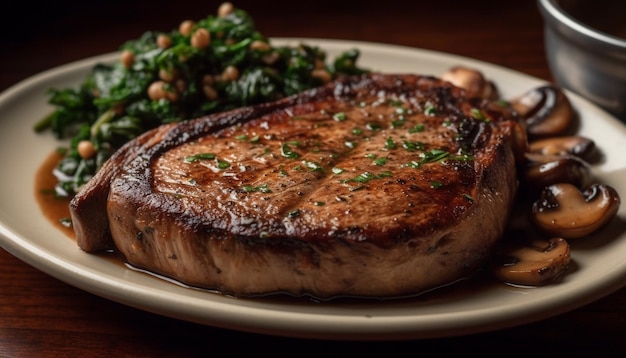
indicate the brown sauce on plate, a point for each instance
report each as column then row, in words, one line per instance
column 54, row 208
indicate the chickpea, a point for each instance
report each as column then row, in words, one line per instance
column 155, row 91
column 127, row 58
column 159, row 90
column 86, row 149
column 172, row 96
column 201, row 38
column 185, row 27
column 225, row 9
column 168, row 75
column 163, row 41
column 271, row 58
column 258, row 45
column 322, row 75
column 209, row 92
column 230, row 73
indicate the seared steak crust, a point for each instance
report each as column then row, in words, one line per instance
column 376, row 185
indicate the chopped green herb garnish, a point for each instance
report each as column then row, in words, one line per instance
column 434, row 155
column 361, row 178
column 313, row 166
column 340, row 116
column 478, row 114
column 373, row 126
column 417, row 128
column 462, row 157
column 65, row 221
column 413, row 164
column 293, row 213
column 390, row 143
column 430, row 109
column 201, row 156
column 223, row 164
column 435, row 184
column 412, row 146
column 398, row 123
column 356, row 188
column 261, row 188
column 357, row 131
column 287, row 152
column 367, row 176
column 380, row 161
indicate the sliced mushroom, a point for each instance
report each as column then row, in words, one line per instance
column 536, row 263
column 472, row 80
column 546, row 109
column 565, row 211
column 581, row 147
column 544, row 170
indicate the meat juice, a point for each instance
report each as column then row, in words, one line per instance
column 54, row 208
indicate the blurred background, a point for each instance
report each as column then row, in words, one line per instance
column 68, row 30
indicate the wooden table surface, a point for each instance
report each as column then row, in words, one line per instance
column 42, row 316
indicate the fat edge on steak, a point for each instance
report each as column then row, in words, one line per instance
column 380, row 185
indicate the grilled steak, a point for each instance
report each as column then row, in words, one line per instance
column 378, row 185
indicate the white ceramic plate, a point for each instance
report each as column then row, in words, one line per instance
column 599, row 265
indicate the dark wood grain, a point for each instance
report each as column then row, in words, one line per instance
column 41, row 316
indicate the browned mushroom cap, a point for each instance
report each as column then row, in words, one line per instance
column 544, row 170
column 536, row 263
column 565, row 211
column 546, row 109
column 473, row 81
column 581, row 147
